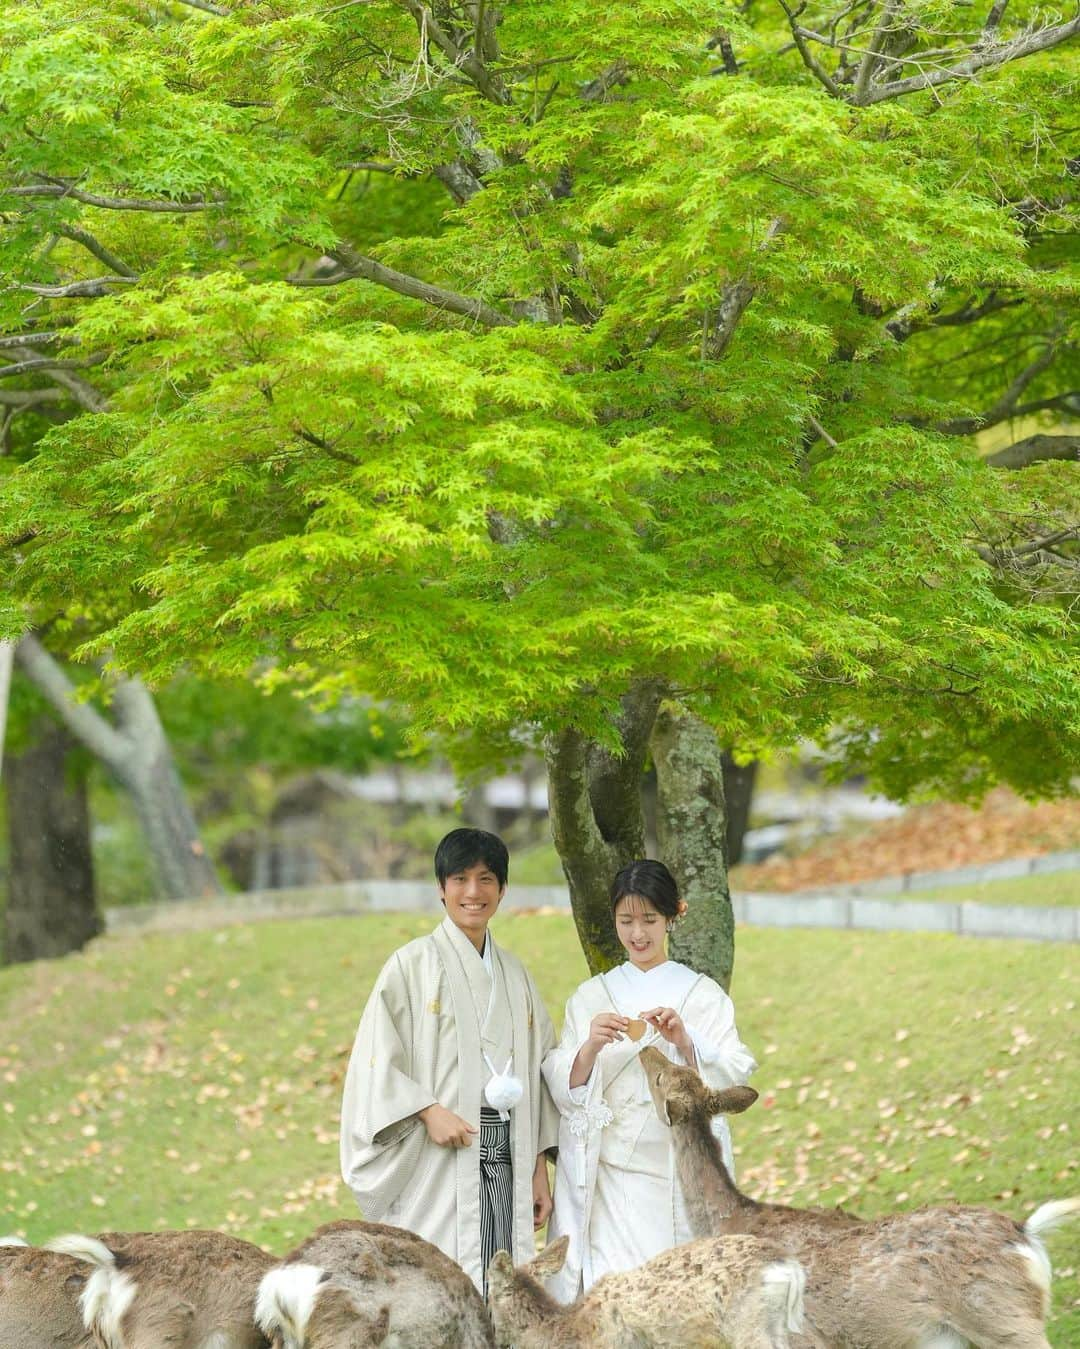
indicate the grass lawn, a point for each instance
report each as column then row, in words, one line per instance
column 1055, row 889
column 172, row 1080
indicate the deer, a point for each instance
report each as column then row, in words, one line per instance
column 39, row 1298
column 725, row 1292
column 353, row 1284
column 184, row 1290
column 936, row 1278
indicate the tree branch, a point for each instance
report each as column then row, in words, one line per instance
column 872, row 59
column 354, row 265
column 994, row 18
column 982, row 58
column 809, row 59
column 20, row 340
column 468, row 62
column 83, row 721
column 206, row 7
column 27, row 398
column 93, row 288
column 1035, row 449
column 95, row 246
column 107, row 203
column 84, row 394
column 46, row 364
column 733, row 302
column 909, row 321
column 1006, row 405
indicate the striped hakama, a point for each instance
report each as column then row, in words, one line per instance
column 496, row 1188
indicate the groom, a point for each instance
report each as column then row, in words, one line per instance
column 446, row 1120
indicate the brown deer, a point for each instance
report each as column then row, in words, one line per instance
column 184, row 1290
column 725, row 1292
column 354, row 1284
column 39, row 1299
column 937, row 1278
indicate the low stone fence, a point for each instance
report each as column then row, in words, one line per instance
column 833, row 910
column 1008, row 869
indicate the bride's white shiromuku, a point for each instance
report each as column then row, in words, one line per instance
column 616, row 1194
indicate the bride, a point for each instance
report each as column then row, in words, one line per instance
column 616, row 1194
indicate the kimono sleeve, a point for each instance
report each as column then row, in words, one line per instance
column 381, row 1097
column 547, row 1139
column 559, row 1063
column 722, row 1058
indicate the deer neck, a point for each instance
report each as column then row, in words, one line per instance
column 708, row 1190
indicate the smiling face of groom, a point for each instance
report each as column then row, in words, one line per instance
column 471, row 867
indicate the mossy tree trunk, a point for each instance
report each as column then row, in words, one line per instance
column 598, row 825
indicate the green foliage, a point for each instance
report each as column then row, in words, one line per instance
column 713, row 428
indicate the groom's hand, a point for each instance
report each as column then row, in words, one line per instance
column 445, row 1128
column 541, row 1193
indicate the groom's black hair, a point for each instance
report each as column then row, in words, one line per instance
column 463, row 848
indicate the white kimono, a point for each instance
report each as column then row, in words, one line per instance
column 436, row 1008
column 616, row 1193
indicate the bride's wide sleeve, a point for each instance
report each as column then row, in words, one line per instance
column 722, row 1058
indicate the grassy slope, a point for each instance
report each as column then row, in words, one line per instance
column 1055, row 889
column 172, row 1080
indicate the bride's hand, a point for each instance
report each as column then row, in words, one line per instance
column 672, row 1027
column 606, row 1029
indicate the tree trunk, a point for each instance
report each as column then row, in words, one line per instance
column 692, row 836
column 598, row 824
column 596, row 818
column 50, row 909
column 150, row 776
column 137, row 753
column 738, row 796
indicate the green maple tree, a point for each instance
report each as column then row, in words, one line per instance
column 601, row 380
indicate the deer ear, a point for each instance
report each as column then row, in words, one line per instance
column 731, row 1101
column 550, row 1260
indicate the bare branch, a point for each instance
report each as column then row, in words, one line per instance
column 82, row 720
column 817, row 426
column 84, row 394
column 733, row 302
column 598, row 89
column 491, row 86
column 1035, row 449
column 370, row 166
column 809, row 59
column 20, row 340
column 982, row 58
column 26, row 398
column 1006, row 405
column 49, row 363
column 93, row 288
column 908, row 321
column 107, row 203
column 1035, row 552
column 459, row 180
column 99, row 250
column 354, row 264
column 206, row 7
column 994, row 18
column 875, row 51
column 722, row 39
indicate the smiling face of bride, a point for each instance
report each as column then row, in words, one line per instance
column 642, row 931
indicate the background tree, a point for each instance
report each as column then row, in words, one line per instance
column 588, row 384
column 50, row 907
